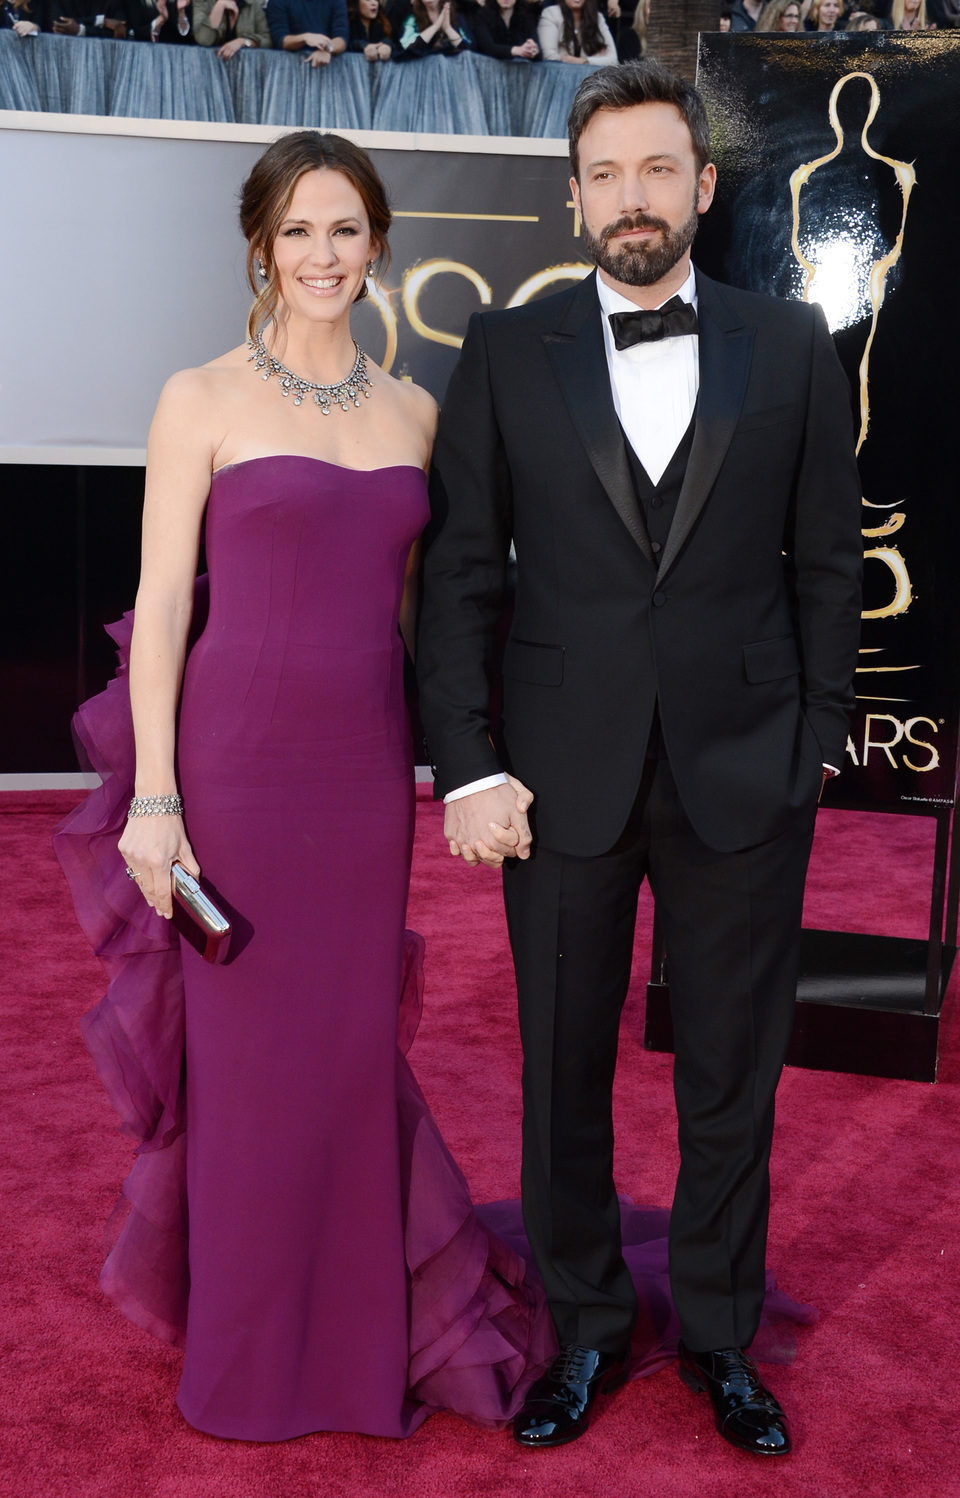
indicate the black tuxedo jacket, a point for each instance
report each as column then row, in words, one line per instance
column 746, row 633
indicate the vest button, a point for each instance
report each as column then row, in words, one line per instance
column 659, row 599
column 656, row 548
column 655, row 502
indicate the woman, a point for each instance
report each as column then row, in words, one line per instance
column 780, row 15
column 15, row 15
column 433, row 27
column 231, row 25
column 370, row 30
column 823, row 16
column 505, row 29
column 909, row 15
column 338, row 1279
column 575, row 31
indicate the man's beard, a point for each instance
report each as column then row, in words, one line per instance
column 635, row 263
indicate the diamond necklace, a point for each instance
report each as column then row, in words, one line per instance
column 356, row 383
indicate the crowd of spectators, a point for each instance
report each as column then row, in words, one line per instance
column 584, row 32
column 839, row 15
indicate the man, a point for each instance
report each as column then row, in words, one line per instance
column 685, row 513
column 320, row 26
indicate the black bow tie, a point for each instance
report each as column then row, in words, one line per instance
column 673, row 320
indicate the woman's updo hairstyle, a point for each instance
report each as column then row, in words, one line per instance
column 265, row 201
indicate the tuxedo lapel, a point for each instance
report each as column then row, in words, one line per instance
column 726, row 349
column 576, row 352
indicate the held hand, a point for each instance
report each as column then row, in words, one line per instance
column 527, row 49
column 229, row 49
column 117, row 29
column 149, row 846
column 66, row 26
column 319, row 59
column 25, row 28
column 316, row 39
column 489, row 826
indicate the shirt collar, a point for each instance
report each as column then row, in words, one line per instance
column 612, row 301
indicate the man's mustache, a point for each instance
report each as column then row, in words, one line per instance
column 633, row 221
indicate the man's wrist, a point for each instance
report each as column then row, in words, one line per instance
column 486, row 784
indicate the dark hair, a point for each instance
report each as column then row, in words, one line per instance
column 590, row 39
column 630, row 83
column 353, row 12
column 265, row 199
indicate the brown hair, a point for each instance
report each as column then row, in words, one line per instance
column 590, row 39
column 773, row 12
column 422, row 18
column 265, row 199
column 629, row 83
column 353, row 14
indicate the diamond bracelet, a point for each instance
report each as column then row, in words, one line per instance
column 156, row 806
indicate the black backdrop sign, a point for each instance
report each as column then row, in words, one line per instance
column 836, row 161
column 470, row 231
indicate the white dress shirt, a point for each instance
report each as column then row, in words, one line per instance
column 654, row 385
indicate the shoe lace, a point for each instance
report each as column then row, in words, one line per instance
column 737, row 1366
column 570, row 1365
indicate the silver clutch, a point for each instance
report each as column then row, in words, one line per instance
column 197, row 918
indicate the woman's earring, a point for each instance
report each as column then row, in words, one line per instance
column 262, row 269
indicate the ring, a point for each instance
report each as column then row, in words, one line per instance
column 130, row 874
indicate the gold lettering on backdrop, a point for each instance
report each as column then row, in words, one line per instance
column 544, row 278
column 921, row 744
column 906, row 179
column 378, row 298
column 885, row 744
column 903, row 588
column 874, row 533
column 416, row 278
column 901, row 733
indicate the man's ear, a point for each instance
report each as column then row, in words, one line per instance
column 706, row 187
column 575, row 194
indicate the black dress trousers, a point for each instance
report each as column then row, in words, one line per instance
column 731, row 923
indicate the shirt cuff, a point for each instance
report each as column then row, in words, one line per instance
column 486, row 784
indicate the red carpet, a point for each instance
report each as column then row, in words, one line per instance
column 865, row 1225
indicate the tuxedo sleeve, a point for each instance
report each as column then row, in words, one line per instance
column 824, row 548
column 464, row 573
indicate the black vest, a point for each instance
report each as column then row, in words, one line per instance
column 658, row 502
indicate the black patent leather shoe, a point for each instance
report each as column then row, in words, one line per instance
column 747, row 1415
column 557, row 1406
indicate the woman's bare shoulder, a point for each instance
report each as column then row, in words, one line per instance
column 204, row 381
column 413, row 402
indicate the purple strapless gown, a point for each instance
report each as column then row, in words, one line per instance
column 335, row 1275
